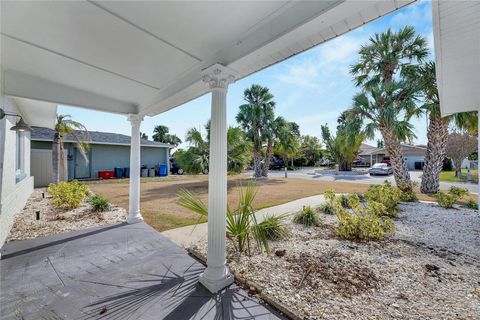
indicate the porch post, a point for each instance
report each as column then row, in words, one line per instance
column 134, row 215
column 478, row 162
column 216, row 275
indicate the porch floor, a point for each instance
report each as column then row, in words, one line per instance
column 115, row 272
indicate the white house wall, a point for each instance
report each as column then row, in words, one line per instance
column 13, row 196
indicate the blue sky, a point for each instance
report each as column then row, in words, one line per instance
column 312, row 88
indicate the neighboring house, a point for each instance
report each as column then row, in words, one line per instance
column 414, row 155
column 16, row 182
column 366, row 151
column 107, row 151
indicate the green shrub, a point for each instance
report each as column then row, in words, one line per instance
column 385, row 194
column 67, row 195
column 472, row 204
column 457, row 191
column 364, row 222
column 274, row 227
column 307, row 216
column 344, row 201
column 408, row 194
column 99, row 203
column 447, row 200
column 327, row 208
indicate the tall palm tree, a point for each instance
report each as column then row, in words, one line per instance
column 388, row 109
column 437, row 132
column 385, row 62
column 256, row 117
column 77, row 131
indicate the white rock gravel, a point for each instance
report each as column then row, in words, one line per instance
column 426, row 271
column 54, row 221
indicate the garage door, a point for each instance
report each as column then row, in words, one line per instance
column 41, row 167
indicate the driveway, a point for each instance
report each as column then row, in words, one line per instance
column 316, row 174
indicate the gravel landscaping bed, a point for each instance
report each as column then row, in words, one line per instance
column 54, row 221
column 427, row 270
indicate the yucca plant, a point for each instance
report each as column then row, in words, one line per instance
column 242, row 224
column 274, row 227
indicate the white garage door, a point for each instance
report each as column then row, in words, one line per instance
column 41, row 167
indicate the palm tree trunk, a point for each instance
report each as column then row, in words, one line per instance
column 256, row 164
column 56, row 158
column 436, row 147
column 400, row 171
column 285, row 165
column 268, row 158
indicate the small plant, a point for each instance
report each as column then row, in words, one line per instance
column 364, row 222
column 67, row 195
column 447, row 200
column 307, row 216
column 385, row 194
column 99, row 203
column 274, row 227
column 407, row 194
column 242, row 225
column 472, row 204
column 344, row 201
column 327, row 208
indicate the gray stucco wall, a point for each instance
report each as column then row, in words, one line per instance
column 108, row 157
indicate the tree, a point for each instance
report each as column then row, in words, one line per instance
column 161, row 134
column 388, row 98
column 256, row 118
column 310, row 149
column 79, row 134
column 437, row 130
column 143, row 136
column 344, row 147
column 459, row 146
column 380, row 144
column 287, row 134
column 196, row 158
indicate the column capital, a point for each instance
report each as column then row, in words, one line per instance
column 218, row 76
column 135, row 119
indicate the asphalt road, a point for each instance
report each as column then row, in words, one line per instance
column 316, row 173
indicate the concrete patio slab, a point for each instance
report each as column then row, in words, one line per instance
column 115, row 272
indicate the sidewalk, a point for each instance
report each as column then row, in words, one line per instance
column 189, row 235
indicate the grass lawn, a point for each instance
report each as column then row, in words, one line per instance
column 159, row 195
column 449, row 176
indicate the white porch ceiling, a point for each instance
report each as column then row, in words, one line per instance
column 146, row 56
column 457, row 50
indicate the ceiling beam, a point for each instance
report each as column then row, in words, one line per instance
column 21, row 85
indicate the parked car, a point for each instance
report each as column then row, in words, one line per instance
column 386, row 160
column 381, row 169
column 276, row 163
column 175, row 167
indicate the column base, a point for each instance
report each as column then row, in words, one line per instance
column 218, row 284
column 134, row 219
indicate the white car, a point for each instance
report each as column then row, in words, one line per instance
column 381, row 168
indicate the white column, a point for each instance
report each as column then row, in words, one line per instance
column 134, row 215
column 217, row 275
column 478, row 161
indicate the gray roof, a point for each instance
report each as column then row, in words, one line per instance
column 366, row 149
column 95, row 137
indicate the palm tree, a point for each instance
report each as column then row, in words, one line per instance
column 256, row 118
column 388, row 109
column 143, row 136
column 287, row 139
column 344, row 147
column 437, row 132
column 77, row 131
column 310, row 149
column 387, row 102
column 196, row 158
column 161, row 134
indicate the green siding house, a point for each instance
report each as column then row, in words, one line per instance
column 107, row 151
